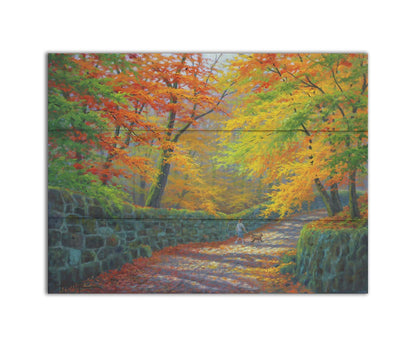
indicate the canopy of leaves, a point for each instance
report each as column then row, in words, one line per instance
column 239, row 131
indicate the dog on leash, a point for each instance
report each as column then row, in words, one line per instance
column 257, row 237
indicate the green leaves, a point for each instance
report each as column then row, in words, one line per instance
column 351, row 158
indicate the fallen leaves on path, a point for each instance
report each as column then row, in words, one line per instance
column 209, row 267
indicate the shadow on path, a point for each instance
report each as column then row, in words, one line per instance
column 223, row 267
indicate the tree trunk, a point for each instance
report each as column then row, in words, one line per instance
column 325, row 197
column 335, row 200
column 329, row 201
column 157, row 188
column 142, row 195
column 354, row 210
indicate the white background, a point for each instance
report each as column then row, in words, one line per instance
column 30, row 317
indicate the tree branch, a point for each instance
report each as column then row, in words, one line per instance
column 335, row 79
column 314, row 85
column 305, row 130
column 365, row 84
column 223, row 95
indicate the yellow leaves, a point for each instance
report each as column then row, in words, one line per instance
column 289, row 196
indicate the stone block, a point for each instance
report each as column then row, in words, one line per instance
column 164, row 243
column 105, row 265
column 72, row 240
column 128, row 225
column 112, row 241
column 179, row 239
column 144, row 240
column 74, row 257
column 96, row 211
column 69, row 277
column 55, row 222
column 142, row 232
column 54, row 238
column 155, row 245
column 79, row 211
column 94, row 241
column 55, row 201
column 138, row 225
column 105, row 231
column 102, row 223
column 114, row 225
column 126, row 257
column 89, row 226
column 67, row 197
column 90, row 270
column 73, row 219
column 79, row 200
column 130, row 236
column 122, row 237
column 106, row 252
column 88, row 256
column 135, row 253
column 57, row 257
column 69, row 208
column 172, row 241
column 121, row 259
column 74, row 228
column 53, row 281
column 145, row 251
column 113, row 262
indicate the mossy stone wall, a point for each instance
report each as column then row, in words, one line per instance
column 85, row 239
column 333, row 261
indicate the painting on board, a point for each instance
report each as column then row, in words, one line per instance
column 207, row 173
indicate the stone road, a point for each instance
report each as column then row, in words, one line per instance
column 214, row 267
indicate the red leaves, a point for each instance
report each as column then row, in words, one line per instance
column 120, row 96
column 345, row 63
column 78, row 166
column 206, row 267
column 77, row 136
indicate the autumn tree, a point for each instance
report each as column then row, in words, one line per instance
column 307, row 114
column 185, row 94
column 91, row 121
column 295, row 124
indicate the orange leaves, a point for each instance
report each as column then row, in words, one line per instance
column 78, row 166
column 210, row 267
column 307, row 98
column 345, row 63
column 343, row 220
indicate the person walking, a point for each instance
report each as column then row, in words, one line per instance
column 240, row 229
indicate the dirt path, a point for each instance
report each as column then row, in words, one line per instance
column 215, row 267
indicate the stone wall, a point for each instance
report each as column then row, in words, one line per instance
column 84, row 239
column 333, row 261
